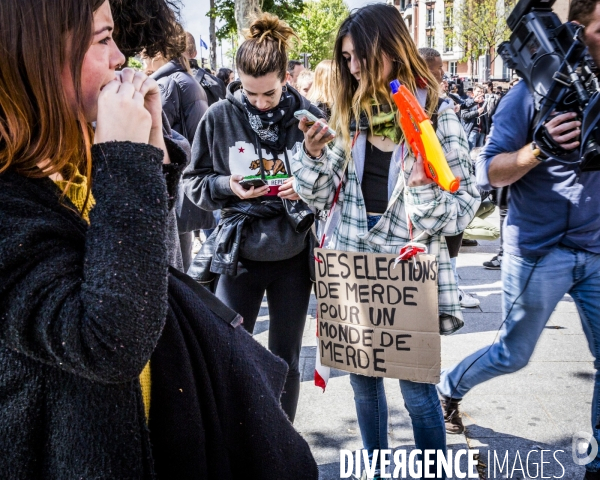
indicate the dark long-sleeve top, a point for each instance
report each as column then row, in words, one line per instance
column 81, row 310
column 183, row 98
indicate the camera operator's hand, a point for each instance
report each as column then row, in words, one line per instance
column 564, row 130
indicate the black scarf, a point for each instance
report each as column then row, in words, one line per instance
column 270, row 126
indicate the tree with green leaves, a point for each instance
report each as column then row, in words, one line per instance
column 235, row 14
column 479, row 26
column 318, row 27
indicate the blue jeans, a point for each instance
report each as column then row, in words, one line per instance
column 561, row 271
column 476, row 139
column 421, row 401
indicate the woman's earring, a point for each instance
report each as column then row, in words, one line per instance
column 284, row 88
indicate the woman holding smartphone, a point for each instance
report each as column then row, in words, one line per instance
column 240, row 164
column 384, row 188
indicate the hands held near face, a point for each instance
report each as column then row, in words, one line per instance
column 129, row 109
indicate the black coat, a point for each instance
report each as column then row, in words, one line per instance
column 184, row 104
column 81, row 310
column 184, row 100
column 215, row 410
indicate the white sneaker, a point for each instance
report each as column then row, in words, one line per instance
column 196, row 246
column 467, row 300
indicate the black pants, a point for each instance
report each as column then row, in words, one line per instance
column 454, row 243
column 186, row 241
column 288, row 287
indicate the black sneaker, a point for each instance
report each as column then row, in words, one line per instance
column 454, row 424
column 494, row 264
column 468, row 243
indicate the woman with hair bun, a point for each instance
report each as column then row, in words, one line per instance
column 257, row 247
column 384, row 189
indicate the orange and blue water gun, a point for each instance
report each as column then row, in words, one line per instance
column 422, row 139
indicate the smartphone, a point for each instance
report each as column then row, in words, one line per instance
column 252, row 182
column 311, row 119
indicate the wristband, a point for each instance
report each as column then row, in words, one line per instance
column 310, row 156
column 537, row 153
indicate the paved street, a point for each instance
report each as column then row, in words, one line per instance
column 537, row 408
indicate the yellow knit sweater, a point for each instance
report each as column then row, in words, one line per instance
column 76, row 191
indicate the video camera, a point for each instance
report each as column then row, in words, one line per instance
column 554, row 63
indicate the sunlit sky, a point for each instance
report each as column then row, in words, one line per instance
column 196, row 22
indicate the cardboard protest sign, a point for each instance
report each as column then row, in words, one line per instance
column 378, row 320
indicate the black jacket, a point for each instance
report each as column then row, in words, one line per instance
column 184, row 104
column 184, row 100
column 472, row 120
column 81, row 310
column 213, row 86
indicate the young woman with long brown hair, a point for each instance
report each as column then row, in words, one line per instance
column 83, row 291
column 383, row 184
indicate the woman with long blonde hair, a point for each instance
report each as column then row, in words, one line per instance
column 383, row 189
column 321, row 93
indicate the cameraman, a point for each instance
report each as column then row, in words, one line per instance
column 551, row 239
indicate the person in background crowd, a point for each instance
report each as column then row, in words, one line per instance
column 373, row 47
column 212, row 85
column 254, row 133
column 226, row 75
column 434, row 63
column 193, row 220
column 304, row 81
column 294, row 67
column 184, row 103
column 151, row 26
column 321, row 93
column 455, row 97
column 474, row 118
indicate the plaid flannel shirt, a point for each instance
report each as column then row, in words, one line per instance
column 431, row 210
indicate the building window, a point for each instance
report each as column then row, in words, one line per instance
column 448, row 14
column 430, row 39
column 448, row 41
column 430, row 18
column 453, row 68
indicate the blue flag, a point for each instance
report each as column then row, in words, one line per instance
column 203, row 45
